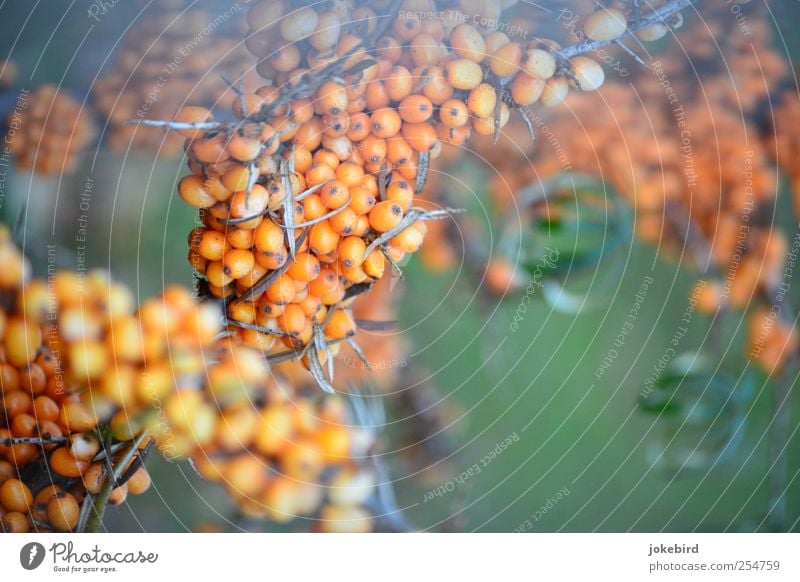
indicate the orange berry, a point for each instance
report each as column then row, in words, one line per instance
column 65, row 464
column 192, row 189
column 334, row 194
column 399, row 83
column 526, row 89
column 139, row 482
column 415, row 109
column 437, row 88
column 305, row 267
column 76, row 417
column 506, row 60
column 16, row 496
column 605, row 24
column 63, row 512
column 554, row 92
column 193, row 115
column 385, row 122
column 589, row 75
column 323, row 238
column 344, row 222
column 385, row 216
column 463, row 74
column 468, row 43
column 420, row 136
column 23, row 339
column 332, row 98
column 340, row 325
column 15, row 522
column 482, row 101
column 373, row 148
column 539, row 63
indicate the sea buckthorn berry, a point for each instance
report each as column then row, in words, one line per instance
column 16, row 402
column 83, row 446
column 23, row 339
column 526, row 89
column 340, row 325
column 302, row 460
column 63, row 512
column 88, row 359
column 425, row 50
column 243, row 148
column 265, row 14
column 482, row 100
column 304, row 267
column 463, row 74
column 281, row 291
column 486, row 126
column 385, row 122
column 45, row 408
column 454, row 113
column 299, row 24
column 6, row 471
column 399, row 83
column 77, row 417
column 373, row 148
column 385, row 216
column 325, row 283
column 605, row 24
column 589, row 75
column 323, row 238
column 345, row 519
column 211, row 150
column 236, row 178
column 539, row 63
column 213, row 245
column 15, row 522
column 351, row 252
column 409, row 240
column 23, row 425
column 33, row 379
column 65, row 464
column 193, row 115
column 407, row 26
column 653, row 32
column 506, row 60
column 334, row 195
column 361, row 200
column 292, row 320
column 401, row 192
column 415, row 109
column 118, row 495
column 16, row 496
column 554, row 92
column 327, row 32
column 468, row 43
column 374, row 264
column 286, row 58
column 351, row 487
column 349, row 173
column 344, row 222
column 192, row 189
column 241, row 238
column 269, row 237
column 398, row 151
column 9, row 377
column 420, row 136
column 332, row 98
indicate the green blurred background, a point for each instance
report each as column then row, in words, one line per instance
column 584, row 456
